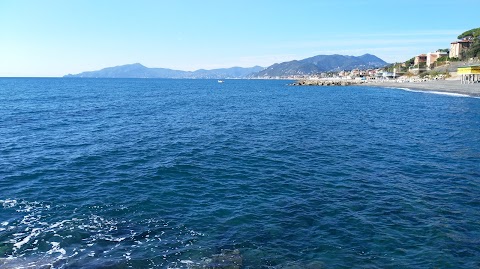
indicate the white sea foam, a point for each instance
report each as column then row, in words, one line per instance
column 56, row 249
column 58, row 224
column 451, row 94
column 35, row 232
column 27, row 231
column 114, row 239
column 434, row 92
column 8, row 203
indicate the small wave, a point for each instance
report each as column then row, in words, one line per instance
column 32, row 236
column 56, row 249
column 453, row 94
column 435, row 92
column 35, row 232
column 8, row 203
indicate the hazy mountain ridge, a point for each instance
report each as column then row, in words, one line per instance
column 140, row 71
column 313, row 65
column 321, row 63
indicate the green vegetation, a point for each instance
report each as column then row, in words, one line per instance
column 433, row 73
column 399, row 67
column 474, row 34
column 443, row 59
column 474, row 50
column 410, row 62
column 420, row 65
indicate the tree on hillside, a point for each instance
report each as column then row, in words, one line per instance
column 473, row 33
column 410, row 62
column 474, row 50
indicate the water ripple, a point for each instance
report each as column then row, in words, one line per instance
column 99, row 173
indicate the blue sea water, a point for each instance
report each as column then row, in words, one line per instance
column 146, row 173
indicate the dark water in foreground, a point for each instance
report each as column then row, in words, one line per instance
column 98, row 173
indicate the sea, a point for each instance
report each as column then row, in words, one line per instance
column 158, row 173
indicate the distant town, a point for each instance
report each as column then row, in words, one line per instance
column 461, row 57
column 458, row 62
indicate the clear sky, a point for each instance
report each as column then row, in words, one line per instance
column 57, row 37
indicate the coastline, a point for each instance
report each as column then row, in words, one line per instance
column 442, row 86
column 434, row 86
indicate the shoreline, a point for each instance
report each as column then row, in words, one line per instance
column 434, row 86
column 439, row 86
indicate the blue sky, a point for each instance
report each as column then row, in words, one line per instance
column 56, row 37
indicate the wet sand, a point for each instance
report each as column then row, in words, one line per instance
column 447, row 86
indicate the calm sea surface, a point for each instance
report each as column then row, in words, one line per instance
column 145, row 173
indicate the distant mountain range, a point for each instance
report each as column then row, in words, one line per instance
column 308, row 66
column 322, row 63
column 139, row 71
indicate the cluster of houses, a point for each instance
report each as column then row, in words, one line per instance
column 425, row 62
column 458, row 49
column 421, row 63
column 350, row 74
column 357, row 74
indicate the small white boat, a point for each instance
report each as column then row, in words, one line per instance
column 221, row 81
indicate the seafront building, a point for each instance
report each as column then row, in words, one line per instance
column 420, row 59
column 419, row 64
column 458, row 48
column 433, row 56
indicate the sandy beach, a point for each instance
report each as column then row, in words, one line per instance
column 447, row 86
